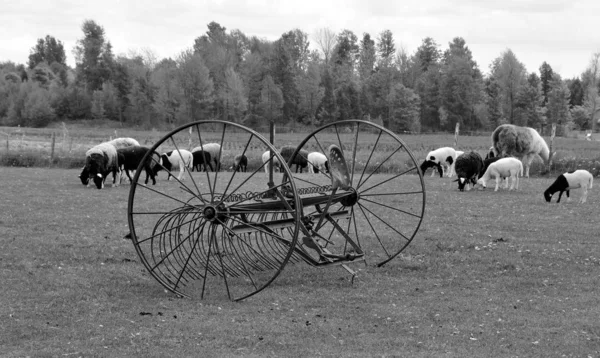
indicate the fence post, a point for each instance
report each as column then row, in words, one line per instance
column 552, row 134
column 52, row 150
column 456, row 130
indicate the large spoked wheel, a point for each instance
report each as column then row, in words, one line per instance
column 386, row 205
column 200, row 233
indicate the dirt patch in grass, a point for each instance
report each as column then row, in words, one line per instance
column 497, row 274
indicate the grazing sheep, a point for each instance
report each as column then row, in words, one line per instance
column 131, row 157
column 99, row 162
column 570, row 180
column 317, row 162
column 300, row 159
column 266, row 159
column 124, row 142
column 173, row 160
column 201, row 158
column 486, row 163
column 215, row 153
column 240, row 163
column 503, row 168
column 520, row 142
column 467, row 169
column 440, row 158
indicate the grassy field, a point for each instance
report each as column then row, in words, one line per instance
column 489, row 274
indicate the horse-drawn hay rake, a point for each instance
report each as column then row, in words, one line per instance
column 231, row 232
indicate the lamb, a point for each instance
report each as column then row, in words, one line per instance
column 173, row 160
column 317, row 162
column 570, row 180
column 201, row 158
column 440, row 158
column 266, row 159
column 215, row 153
column 503, row 168
column 300, row 160
column 467, row 169
column 240, row 163
column 520, row 142
column 99, row 162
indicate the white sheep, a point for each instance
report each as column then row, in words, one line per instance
column 173, row 160
column 317, row 162
column 503, row 168
column 214, row 149
column 440, row 158
column 570, row 180
column 266, row 159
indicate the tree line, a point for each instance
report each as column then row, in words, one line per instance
column 230, row 76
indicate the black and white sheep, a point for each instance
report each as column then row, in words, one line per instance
column 215, row 153
column 131, row 157
column 519, row 142
column 172, row 160
column 503, row 168
column 300, row 160
column 570, row 180
column 267, row 161
column 317, row 161
column 100, row 161
column 467, row 167
column 240, row 163
column 201, row 158
column 441, row 159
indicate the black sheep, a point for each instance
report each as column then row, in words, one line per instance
column 467, row 167
column 201, row 158
column 130, row 158
column 301, row 159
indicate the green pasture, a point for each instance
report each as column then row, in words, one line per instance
column 489, row 274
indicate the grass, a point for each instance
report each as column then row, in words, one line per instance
column 499, row 274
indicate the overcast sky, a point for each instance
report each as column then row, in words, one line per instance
column 564, row 33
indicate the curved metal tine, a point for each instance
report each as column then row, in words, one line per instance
column 186, row 169
column 370, row 156
column 210, row 188
column 172, row 250
column 164, row 231
column 391, row 207
column 187, row 260
column 385, row 181
column 379, row 166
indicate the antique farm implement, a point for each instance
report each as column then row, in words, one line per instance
column 232, row 232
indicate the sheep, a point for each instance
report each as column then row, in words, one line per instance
column 240, row 163
column 130, row 158
column 570, row 180
column 215, row 153
column 467, row 168
column 490, row 153
column 520, row 142
column 486, row 163
column 266, row 159
column 503, row 168
column 173, row 160
column 300, row 159
column 317, row 162
column 100, row 160
column 201, row 158
column 440, row 158
column 124, row 142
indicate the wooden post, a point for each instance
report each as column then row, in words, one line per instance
column 550, row 155
column 456, row 130
column 52, row 150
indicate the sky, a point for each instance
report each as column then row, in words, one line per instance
column 563, row 33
